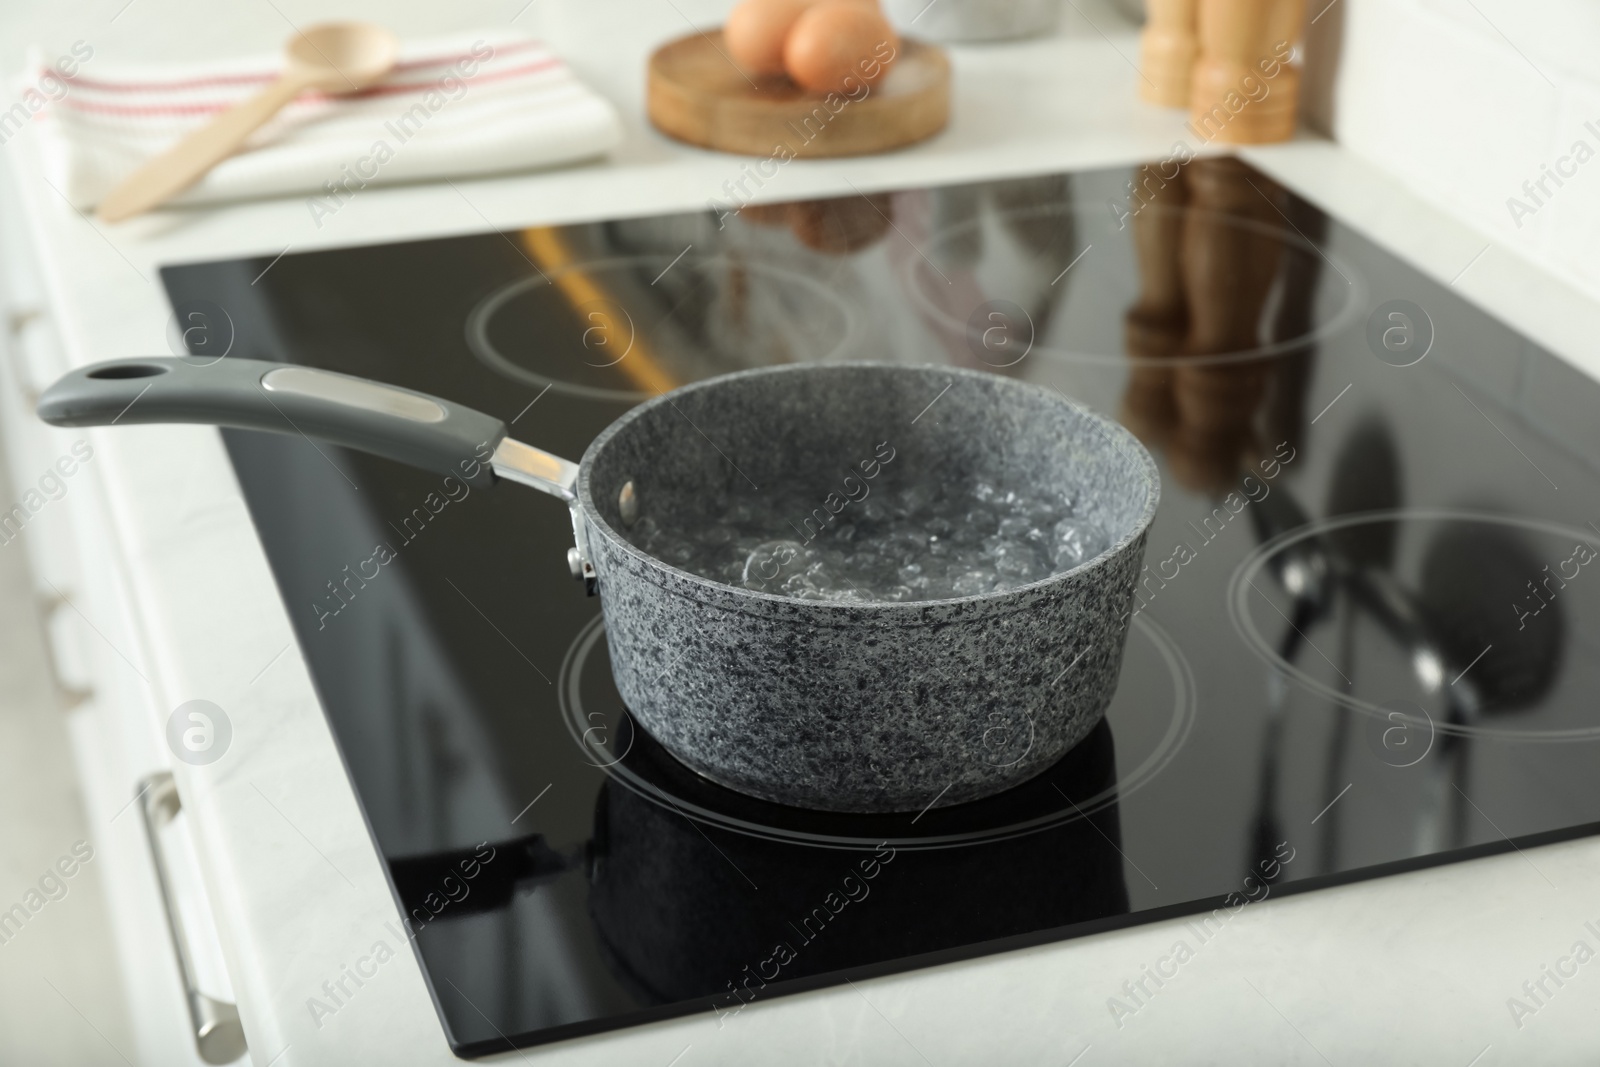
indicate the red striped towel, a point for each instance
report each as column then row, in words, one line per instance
column 463, row 105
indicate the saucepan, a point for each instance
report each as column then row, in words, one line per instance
column 761, row 671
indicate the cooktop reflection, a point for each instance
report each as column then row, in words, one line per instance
column 1364, row 640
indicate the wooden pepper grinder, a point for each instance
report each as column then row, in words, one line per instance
column 1167, row 49
column 1245, row 91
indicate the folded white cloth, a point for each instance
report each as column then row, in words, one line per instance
column 468, row 104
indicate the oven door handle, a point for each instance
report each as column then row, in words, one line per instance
column 218, row 1033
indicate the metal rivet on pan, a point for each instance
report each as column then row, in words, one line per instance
column 628, row 503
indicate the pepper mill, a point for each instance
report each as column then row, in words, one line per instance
column 1166, row 52
column 1245, row 90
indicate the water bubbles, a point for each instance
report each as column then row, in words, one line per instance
column 923, row 542
column 976, row 523
column 646, row 534
column 914, row 500
column 1015, row 526
column 804, row 587
column 714, row 536
column 677, row 552
column 1076, row 540
column 1020, row 561
column 766, row 561
column 905, row 546
column 971, row 583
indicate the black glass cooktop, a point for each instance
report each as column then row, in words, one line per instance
column 1366, row 634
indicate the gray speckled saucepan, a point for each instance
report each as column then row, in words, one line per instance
column 843, row 706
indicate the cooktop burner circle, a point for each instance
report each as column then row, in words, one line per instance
column 1475, row 614
column 627, row 328
column 1055, row 250
column 607, row 739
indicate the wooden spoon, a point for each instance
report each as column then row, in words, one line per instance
column 336, row 57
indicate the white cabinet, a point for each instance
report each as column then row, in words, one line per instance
column 58, row 517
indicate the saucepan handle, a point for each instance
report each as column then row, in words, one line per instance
column 414, row 428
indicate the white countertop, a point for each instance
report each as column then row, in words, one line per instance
column 1414, row 968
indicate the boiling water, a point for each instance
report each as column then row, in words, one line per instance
column 910, row 545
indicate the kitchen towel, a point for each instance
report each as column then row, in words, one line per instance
column 463, row 105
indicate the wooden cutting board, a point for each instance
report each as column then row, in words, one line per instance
column 697, row 95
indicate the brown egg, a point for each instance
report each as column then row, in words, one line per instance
column 756, row 31
column 839, row 46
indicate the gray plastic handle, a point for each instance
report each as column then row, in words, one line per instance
column 414, row 428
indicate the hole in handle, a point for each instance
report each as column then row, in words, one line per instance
column 129, row 370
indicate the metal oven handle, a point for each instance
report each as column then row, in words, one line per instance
column 218, row 1033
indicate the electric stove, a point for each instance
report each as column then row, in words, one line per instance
column 1364, row 640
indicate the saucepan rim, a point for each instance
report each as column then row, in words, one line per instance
column 1117, row 435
